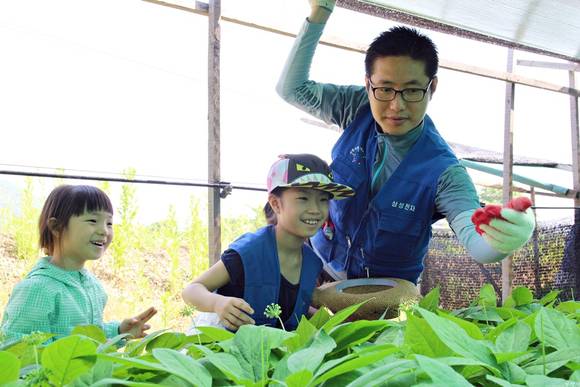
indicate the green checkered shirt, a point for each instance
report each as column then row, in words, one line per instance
column 53, row 300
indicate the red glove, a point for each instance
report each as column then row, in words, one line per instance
column 493, row 211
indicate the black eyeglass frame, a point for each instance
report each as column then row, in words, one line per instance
column 402, row 92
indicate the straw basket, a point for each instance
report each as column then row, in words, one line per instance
column 385, row 294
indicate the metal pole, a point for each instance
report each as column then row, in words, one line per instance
column 576, row 174
column 213, row 134
column 506, row 264
column 536, row 247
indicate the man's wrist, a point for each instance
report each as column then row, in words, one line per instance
column 326, row 4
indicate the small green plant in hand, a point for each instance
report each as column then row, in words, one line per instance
column 274, row 311
column 187, row 311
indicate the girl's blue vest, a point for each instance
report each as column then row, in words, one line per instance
column 386, row 235
column 262, row 275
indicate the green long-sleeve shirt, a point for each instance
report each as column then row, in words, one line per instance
column 53, row 300
column 456, row 197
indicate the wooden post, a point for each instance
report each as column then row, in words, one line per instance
column 506, row 264
column 213, row 130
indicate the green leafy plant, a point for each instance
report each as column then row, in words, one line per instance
column 532, row 342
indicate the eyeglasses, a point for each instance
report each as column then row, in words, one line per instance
column 386, row 94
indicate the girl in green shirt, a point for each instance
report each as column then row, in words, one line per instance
column 76, row 225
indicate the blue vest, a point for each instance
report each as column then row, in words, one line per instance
column 386, row 235
column 259, row 255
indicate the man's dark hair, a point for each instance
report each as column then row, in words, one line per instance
column 403, row 41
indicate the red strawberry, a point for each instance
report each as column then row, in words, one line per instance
column 493, row 211
column 521, row 203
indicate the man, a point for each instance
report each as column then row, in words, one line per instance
column 405, row 175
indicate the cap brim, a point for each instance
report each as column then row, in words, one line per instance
column 338, row 191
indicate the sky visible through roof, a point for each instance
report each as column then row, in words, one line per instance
column 109, row 85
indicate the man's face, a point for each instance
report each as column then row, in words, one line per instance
column 398, row 116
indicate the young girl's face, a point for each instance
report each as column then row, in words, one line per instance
column 302, row 211
column 86, row 237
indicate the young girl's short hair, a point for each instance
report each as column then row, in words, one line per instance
column 269, row 213
column 64, row 202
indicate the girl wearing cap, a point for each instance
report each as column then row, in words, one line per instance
column 272, row 265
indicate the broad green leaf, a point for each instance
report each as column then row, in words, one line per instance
column 508, row 313
column 500, row 382
column 487, row 296
column 457, row 339
column 103, row 369
column 310, row 358
column 350, row 365
column 122, row 382
column 574, row 366
column 465, row 361
column 216, row 334
column 421, row 338
column 299, row 379
column 394, row 334
column 555, row 330
column 28, row 348
column 304, row 333
column 552, row 361
column 495, row 332
column 342, row 315
column 321, row 317
column 513, row 373
column 183, row 366
column 575, row 377
column 531, row 321
column 380, row 376
column 228, row 364
column 10, row 367
column 172, row 340
column 503, row 357
column 485, row 314
column 133, row 362
column 469, row 327
column 92, row 331
column 441, row 373
column 569, row 307
column 252, row 347
column 60, row 358
column 529, row 308
column 543, row 381
column 281, row 371
column 548, row 298
column 135, row 347
column 509, row 302
column 351, row 334
column 522, row 296
column 112, row 344
column 514, row 339
column 431, row 300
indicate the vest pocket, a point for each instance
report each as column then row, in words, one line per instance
column 396, row 237
column 346, row 173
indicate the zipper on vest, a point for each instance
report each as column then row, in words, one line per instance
column 347, row 259
column 362, row 254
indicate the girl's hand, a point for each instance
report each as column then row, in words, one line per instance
column 233, row 312
column 136, row 326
